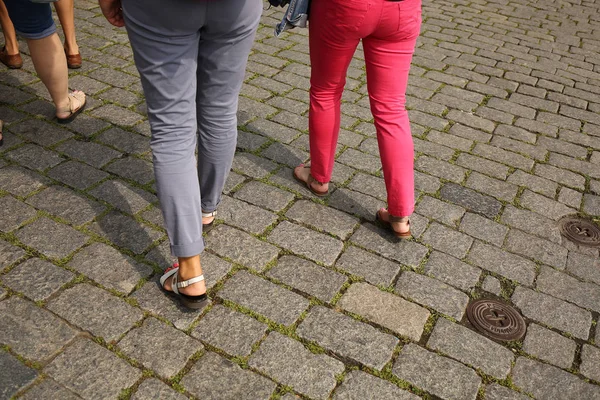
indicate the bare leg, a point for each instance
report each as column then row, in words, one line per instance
column 66, row 15
column 189, row 267
column 10, row 36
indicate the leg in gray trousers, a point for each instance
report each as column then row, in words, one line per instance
column 191, row 55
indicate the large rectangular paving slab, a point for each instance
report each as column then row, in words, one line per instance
column 359, row 385
column 245, row 216
column 447, row 240
column 51, row 238
column 565, row 287
column 432, row 293
column 496, row 260
column 37, row 279
column 91, row 371
column 348, row 337
column 536, row 248
column 547, row 382
column 437, row 375
column 30, row 331
column 323, row 218
column 241, row 247
column 291, row 364
column 553, row 312
column 452, row 271
column 308, row 277
column 386, row 309
column 306, row 242
column 471, row 348
column 376, row 270
column 549, row 346
column 216, row 378
column 266, row 298
column 584, row 266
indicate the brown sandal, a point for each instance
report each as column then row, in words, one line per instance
column 402, row 235
column 310, row 181
column 74, row 111
column 73, row 60
column 12, row 61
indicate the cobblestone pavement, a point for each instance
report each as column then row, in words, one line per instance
column 310, row 298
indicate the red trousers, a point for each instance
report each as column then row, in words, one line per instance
column 389, row 32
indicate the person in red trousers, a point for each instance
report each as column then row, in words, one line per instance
column 389, row 31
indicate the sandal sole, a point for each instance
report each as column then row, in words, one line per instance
column 401, row 235
column 72, row 116
column 313, row 191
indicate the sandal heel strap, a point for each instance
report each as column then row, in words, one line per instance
column 184, row 284
column 209, row 214
column 393, row 218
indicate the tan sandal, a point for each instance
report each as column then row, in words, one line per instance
column 72, row 110
column 310, row 181
column 402, row 235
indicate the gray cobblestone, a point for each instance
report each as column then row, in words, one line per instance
column 570, row 197
column 31, row 130
column 470, row 200
column 503, row 156
column 125, row 232
column 470, row 133
column 360, row 385
column 492, row 285
column 545, row 206
column 37, row 279
column 497, row 392
column 9, row 254
column 533, row 182
column 591, row 204
column 483, row 229
column 549, row 346
column 482, row 165
column 584, row 266
column 511, row 266
column 356, row 203
column 49, row 389
column 536, row 248
column 15, row 375
column 433, row 208
column 440, row 169
column 51, row 238
column 557, row 284
column 561, row 176
column 123, row 196
column 532, row 223
column 15, row 213
column 452, row 271
column 429, row 148
column 369, row 184
column 21, row 182
column 64, row 203
column 125, row 141
column 136, row 169
column 285, row 154
column 253, row 166
column 323, row 218
column 560, row 146
column 245, row 216
column 590, row 362
column 264, row 195
column 153, row 388
column 374, row 269
column 76, row 174
column 34, row 157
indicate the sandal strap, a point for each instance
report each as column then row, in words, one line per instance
column 209, row 214
column 184, row 284
column 393, row 218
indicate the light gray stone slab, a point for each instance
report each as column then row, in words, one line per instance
column 386, row 245
column 123, row 196
column 306, row 242
column 153, row 389
column 66, row 204
column 452, row 271
column 492, row 285
column 109, row 267
column 348, row 337
column 216, row 378
column 509, row 265
column 553, row 312
column 386, row 309
column 376, row 270
column 91, row 371
column 323, row 218
column 266, row 298
column 245, row 216
column 359, row 385
column 14, row 213
column 437, row 375
column 30, row 331
column 170, row 348
column 263, row 195
column 124, row 231
column 290, row 363
column 471, row 348
column 15, row 375
column 229, row 330
column 549, row 346
column 95, row 310
column 584, row 266
column 532, row 223
column 51, row 238
column 308, row 277
column 447, row 240
column 441, row 211
column 241, row 247
column 483, row 228
column 355, row 203
column 432, row 293
column 536, row 248
column 497, row 392
column 49, row 389
column 590, row 362
column 565, row 287
column 37, row 279
column 547, row 382
column 545, row 206
column 9, row 254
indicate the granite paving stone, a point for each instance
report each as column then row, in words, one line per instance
column 110, row 268
column 66, row 204
column 51, row 238
column 432, row 293
column 9, row 254
column 123, row 196
column 447, row 240
column 212, row 374
column 240, row 247
column 125, row 232
column 34, row 157
column 385, row 244
column 560, row 175
column 154, row 389
column 95, row 310
column 497, row 392
column 441, row 211
column 49, row 389
column 531, row 222
column 360, row 160
column 492, row 284
column 30, row 331
column 359, row 385
column 250, row 141
column 440, row 169
column 483, row 229
column 591, row 204
column 3, row 293
column 565, row 287
column 549, row 346
column 355, row 203
column 245, row 216
column 323, row 218
column 266, row 298
column 233, row 180
column 470, row 200
column 553, row 312
column 229, row 330
column 14, row 214
column 584, row 266
column 285, row 154
column 263, row 195
column 119, row 115
column 374, row 269
column 536, row 248
column 125, row 141
column 438, row 375
column 77, row 175
column 308, row 277
column 548, row 382
column 15, row 375
column 91, row 371
column 471, row 348
column 545, row 206
column 40, row 132
column 503, row 156
column 483, row 165
column 21, row 182
column 306, row 242
column 386, row 309
column 452, row 271
column 289, row 363
column 509, row 265
column 90, row 153
column 132, row 168
column 348, row 337
column 171, row 348
column 368, row 184
column 253, row 166
column 590, row 362
column 533, row 182
column 37, row 279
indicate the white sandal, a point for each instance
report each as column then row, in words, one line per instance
column 195, row 302
column 211, row 224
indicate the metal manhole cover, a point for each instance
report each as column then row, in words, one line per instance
column 580, row 231
column 496, row 319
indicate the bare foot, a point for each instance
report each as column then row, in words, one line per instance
column 71, row 105
column 189, row 269
column 399, row 227
column 303, row 173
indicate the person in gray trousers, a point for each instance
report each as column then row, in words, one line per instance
column 191, row 56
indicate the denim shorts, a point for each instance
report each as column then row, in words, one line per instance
column 31, row 20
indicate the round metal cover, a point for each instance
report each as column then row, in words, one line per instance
column 580, row 231
column 496, row 319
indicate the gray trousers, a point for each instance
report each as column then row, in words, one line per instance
column 191, row 55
